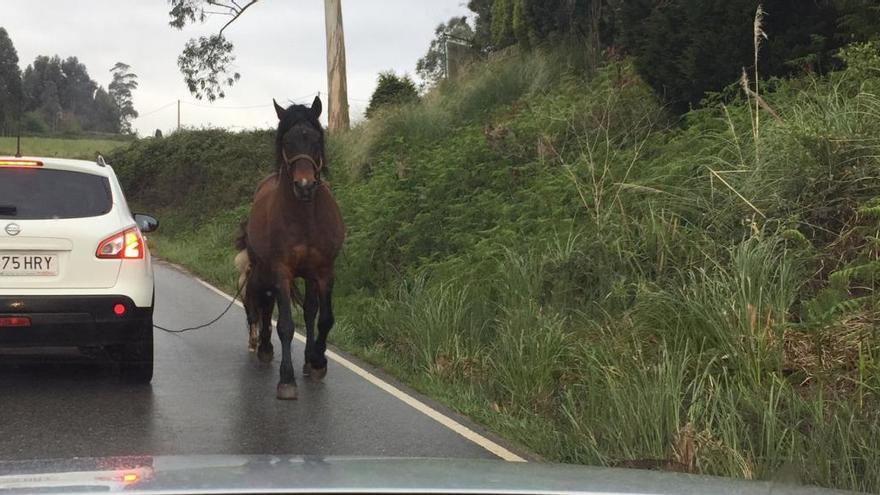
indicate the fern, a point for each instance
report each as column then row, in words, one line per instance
column 870, row 212
column 796, row 237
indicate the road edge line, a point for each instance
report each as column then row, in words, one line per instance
column 402, row 396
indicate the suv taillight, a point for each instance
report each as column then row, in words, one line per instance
column 17, row 162
column 127, row 244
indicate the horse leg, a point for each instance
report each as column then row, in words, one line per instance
column 310, row 311
column 265, row 352
column 287, row 382
column 325, row 323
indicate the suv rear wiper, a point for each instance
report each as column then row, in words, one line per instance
column 8, row 210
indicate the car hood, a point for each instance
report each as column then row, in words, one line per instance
column 282, row 474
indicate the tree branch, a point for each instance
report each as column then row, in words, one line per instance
column 239, row 12
column 217, row 3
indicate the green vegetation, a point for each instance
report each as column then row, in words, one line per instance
column 83, row 148
column 555, row 256
column 391, row 90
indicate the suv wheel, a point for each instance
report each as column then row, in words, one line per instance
column 136, row 357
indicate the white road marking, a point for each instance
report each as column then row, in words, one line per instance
column 404, row 397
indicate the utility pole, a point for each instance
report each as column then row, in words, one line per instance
column 337, row 108
column 178, row 115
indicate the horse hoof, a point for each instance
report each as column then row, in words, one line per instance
column 307, row 369
column 265, row 356
column 318, row 374
column 286, row 391
column 252, row 348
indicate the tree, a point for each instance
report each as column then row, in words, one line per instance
column 77, row 89
column 391, row 90
column 60, row 90
column 105, row 115
column 40, row 81
column 586, row 24
column 501, row 23
column 482, row 23
column 433, row 66
column 124, row 82
column 10, row 84
column 50, row 106
column 685, row 48
column 59, row 96
column 206, row 61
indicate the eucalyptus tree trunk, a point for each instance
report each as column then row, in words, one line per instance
column 337, row 90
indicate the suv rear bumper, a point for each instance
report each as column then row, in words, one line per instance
column 72, row 321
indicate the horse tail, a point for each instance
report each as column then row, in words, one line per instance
column 242, row 260
column 296, row 295
column 243, row 266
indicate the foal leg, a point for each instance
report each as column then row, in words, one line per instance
column 253, row 333
column 325, row 323
column 310, row 311
column 287, row 383
column 245, row 289
column 252, row 312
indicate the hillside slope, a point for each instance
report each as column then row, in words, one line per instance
column 555, row 256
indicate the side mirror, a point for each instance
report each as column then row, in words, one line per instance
column 146, row 223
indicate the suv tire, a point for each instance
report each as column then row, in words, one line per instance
column 136, row 357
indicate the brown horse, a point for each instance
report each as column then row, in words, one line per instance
column 294, row 230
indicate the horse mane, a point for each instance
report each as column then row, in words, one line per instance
column 294, row 114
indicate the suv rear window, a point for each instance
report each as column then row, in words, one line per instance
column 39, row 193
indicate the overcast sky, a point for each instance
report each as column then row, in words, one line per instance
column 279, row 49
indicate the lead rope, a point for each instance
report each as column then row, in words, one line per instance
column 234, row 298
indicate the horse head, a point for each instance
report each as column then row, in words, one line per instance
column 299, row 147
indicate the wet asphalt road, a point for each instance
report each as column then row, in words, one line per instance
column 209, row 395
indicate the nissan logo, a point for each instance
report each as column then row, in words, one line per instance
column 13, row 229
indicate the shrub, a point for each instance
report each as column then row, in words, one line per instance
column 392, row 90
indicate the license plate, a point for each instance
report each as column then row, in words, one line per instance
column 28, row 264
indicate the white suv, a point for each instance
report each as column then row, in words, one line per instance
column 74, row 267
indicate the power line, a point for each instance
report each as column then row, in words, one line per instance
column 297, row 99
column 243, row 107
column 163, row 107
column 305, row 97
column 218, row 107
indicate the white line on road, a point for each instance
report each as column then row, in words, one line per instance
column 404, row 397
